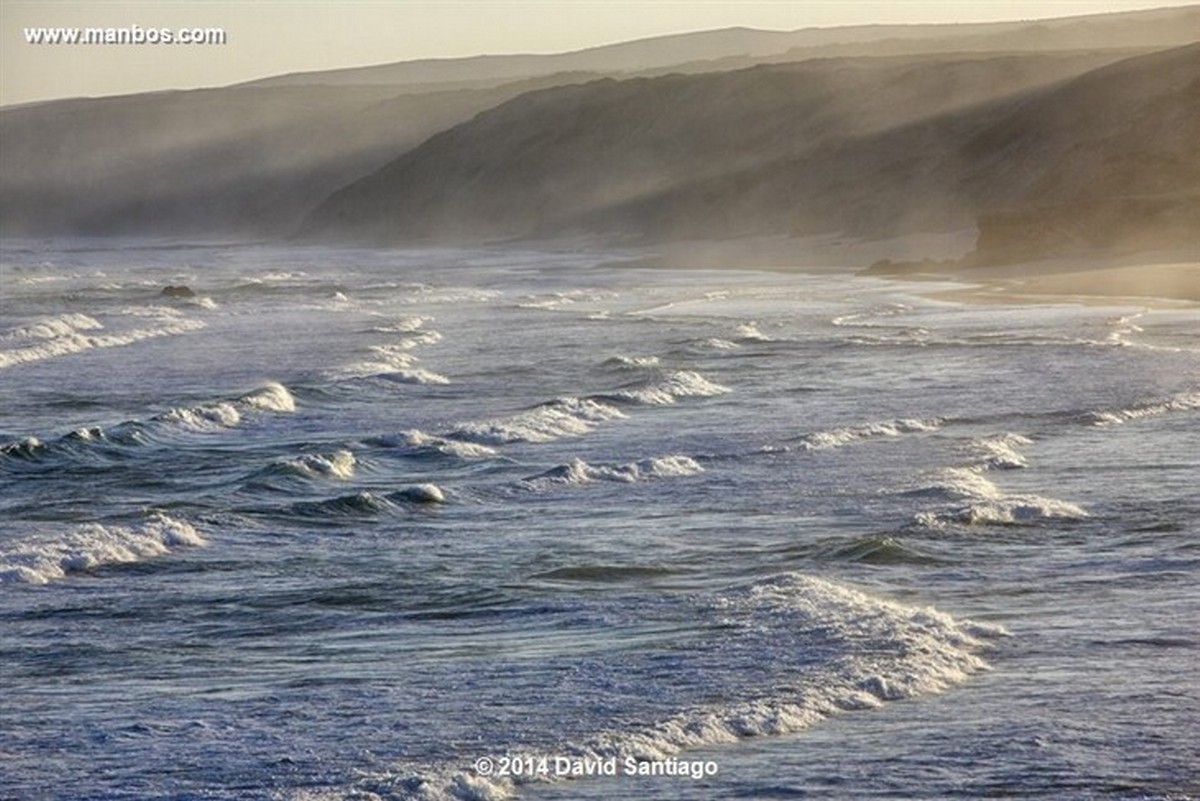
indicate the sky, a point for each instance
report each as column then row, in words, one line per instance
column 271, row 37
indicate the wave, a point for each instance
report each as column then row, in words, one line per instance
column 92, row 545
column 749, row 332
column 871, row 317
column 1185, row 402
column 273, row 397
column 838, row 437
column 420, row 493
column 1000, row 451
column 339, row 464
column 564, row 417
column 415, row 376
column 405, row 325
column 819, row 649
column 395, row 360
column 974, row 500
column 578, row 471
column 667, row 389
column 716, row 343
column 369, row 504
column 53, row 327
column 360, row 504
column 421, row 443
column 632, row 362
column 72, row 333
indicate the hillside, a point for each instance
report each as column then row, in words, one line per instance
column 241, row 161
column 869, row 147
column 815, row 130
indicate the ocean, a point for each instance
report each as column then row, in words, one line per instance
column 342, row 523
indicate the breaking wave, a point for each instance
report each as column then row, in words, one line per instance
column 838, row 437
column 578, row 471
column 564, row 417
column 669, row 388
column 75, row 333
column 797, row 650
column 971, row 499
column 421, row 443
column 92, row 545
column 1186, row 402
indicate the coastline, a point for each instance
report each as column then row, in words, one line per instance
column 1156, row 279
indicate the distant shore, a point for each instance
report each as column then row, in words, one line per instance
column 1170, row 278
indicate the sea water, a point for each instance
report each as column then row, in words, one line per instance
column 473, row 524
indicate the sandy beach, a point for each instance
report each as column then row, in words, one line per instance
column 1160, row 278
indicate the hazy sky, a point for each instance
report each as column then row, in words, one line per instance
column 269, row 37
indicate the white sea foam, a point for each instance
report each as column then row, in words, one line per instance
column 1185, row 402
column 39, row 560
column 53, row 327
column 421, row 493
column 837, row 437
column 420, row 441
column 667, row 389
column 340, row 464
column 870, row 317
column 274, row 397
column 749, row 331
column 972, row 499
column 836, row 649
column 204, row 418
column 417, row 375
column 65, row 335
column 578, row 471
column 25, row 448
column 1000, row 451
column 405, row 325
column 716, row 343
column 633, row 362
column 565, row 417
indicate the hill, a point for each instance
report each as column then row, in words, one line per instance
column 869, row 147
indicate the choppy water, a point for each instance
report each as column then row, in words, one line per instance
column 347, row 522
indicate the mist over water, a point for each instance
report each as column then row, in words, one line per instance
column 343, row 522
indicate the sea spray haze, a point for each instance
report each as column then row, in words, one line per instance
column 347, row 522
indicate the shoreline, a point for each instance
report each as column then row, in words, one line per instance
column 1168, row 279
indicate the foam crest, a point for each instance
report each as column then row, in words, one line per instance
column 418, row 375
column 420, row 442
column 564, row 417
column 421, row 494
column 716, row 343
column 405, row 325
column 92, row 545
column 578, row 471
column 837, row 437
column 339, row 464
column 749, row 331
column 632, row 362
column 668, row 389
column 204, row 418
column 821, row 648
column 26, row 448
column 53, row 327
column 1000, row 452
column 274, row 397
column 65, row 335
column 974, row 500
column 1186, row 402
